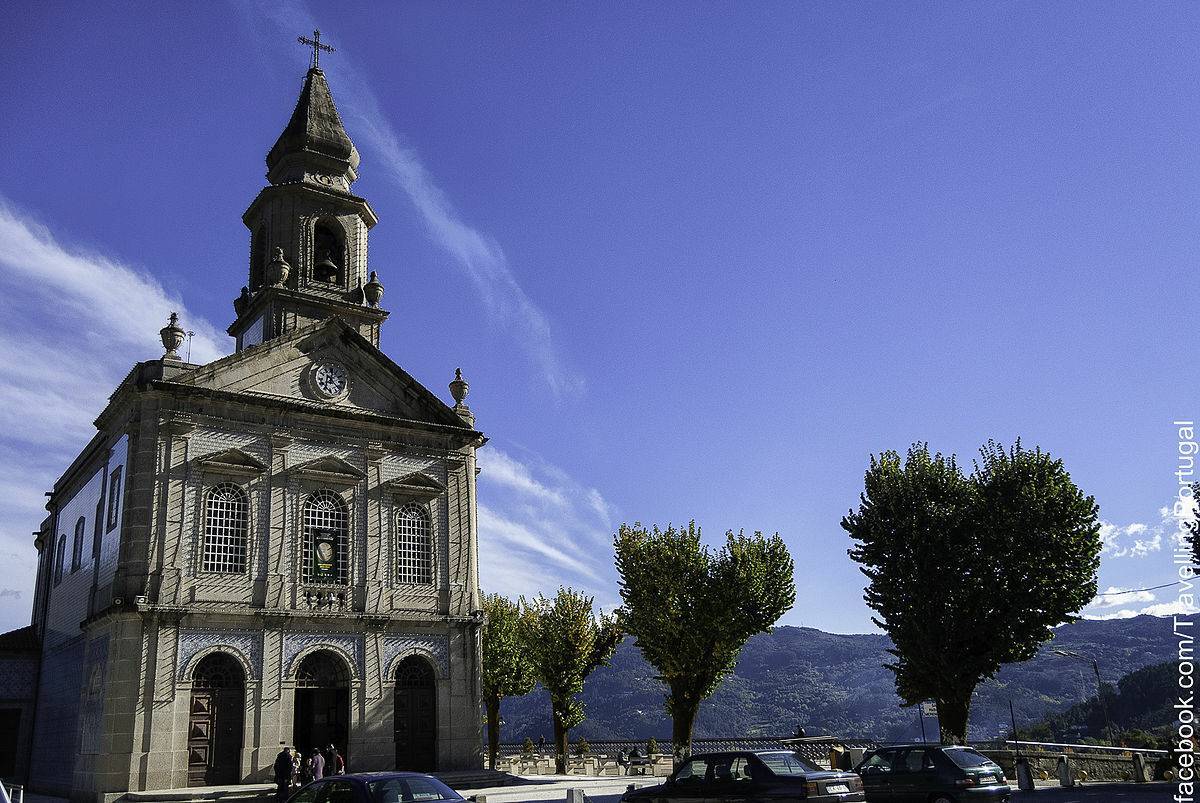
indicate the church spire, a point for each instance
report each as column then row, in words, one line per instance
column 314, row 146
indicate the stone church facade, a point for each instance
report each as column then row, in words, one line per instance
column 278, row 546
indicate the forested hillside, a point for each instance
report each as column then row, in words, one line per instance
column 836, row 684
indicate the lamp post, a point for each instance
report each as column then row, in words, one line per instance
column 1099, row 684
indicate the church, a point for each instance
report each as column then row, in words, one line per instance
column 278, row 546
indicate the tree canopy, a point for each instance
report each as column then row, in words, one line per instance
column 565, row 641
column 970, row 572
column 506, row 670
column 692, row 609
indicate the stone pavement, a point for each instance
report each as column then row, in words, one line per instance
column 606, row 789
column 1100, row 793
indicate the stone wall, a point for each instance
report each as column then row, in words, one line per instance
column 1098, row 767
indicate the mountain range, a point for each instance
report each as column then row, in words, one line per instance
column 836, row 684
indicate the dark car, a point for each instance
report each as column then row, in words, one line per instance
column 774, row 775
column 921, row 773
column 375, row 787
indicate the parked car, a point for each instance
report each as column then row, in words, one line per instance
column 922, row 773
column 376, row 787
column 743, row 777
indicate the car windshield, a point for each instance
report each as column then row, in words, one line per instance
column 968, row 759
column 787, row 764
column 415, row 788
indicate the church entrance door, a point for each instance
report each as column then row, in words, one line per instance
column 322, row 713
column 416, row 716
column 215, row 722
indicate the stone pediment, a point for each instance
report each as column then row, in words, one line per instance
column 231, row 461
column 329, row 469
column 288, row 368
column 415, row 486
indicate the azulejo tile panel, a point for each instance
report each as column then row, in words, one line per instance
column 247, row 643
column 436, row 646
column 296, row 643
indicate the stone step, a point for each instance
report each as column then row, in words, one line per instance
column 239, row 793
column 475, row 779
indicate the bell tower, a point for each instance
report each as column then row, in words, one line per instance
column 308, row 231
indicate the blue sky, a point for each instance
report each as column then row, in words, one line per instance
column 697, row 260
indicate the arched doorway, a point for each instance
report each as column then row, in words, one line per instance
column 416, row 716
column 215, row 721
column 322, row 712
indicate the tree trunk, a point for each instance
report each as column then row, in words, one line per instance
column 953, row 712
column 493, row 724
column 560, row 745
column 681, row 730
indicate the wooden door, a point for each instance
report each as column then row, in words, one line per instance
column 215, row 722
column 415, row 716
column 200, row 738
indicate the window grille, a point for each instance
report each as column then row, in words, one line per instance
column 77, row 545
column 325, row 510
column 218, row 670
column 414, row 546
column 414, row 673
column 59, row 559
column 114, row 497
column 322, row 670
column 226, row 515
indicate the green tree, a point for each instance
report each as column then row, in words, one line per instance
column 970, row 572
column 692, row 609
column 506, row 668
column 565, row 641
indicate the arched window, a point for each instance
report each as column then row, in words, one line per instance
column 77, row 545
column 60, row 557
column 322, row 670
column 218, row 670
column 329, row 256
column 414, row 546
column 326, row 548
column 226, row 516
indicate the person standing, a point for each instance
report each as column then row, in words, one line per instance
column 283, row 772
column 337, row 762
column 318, row 765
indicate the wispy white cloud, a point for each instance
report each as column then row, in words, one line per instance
column 1139, row 539
column 1172, row 608
column 539, row 529
column 475, row 252
column 72, row 323
column 1118, row 597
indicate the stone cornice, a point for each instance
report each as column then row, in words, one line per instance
column 463, row 435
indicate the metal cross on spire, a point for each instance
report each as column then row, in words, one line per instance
column 317, row 45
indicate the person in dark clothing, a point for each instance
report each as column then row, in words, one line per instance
column 318, row 765
column 337, row 764
column 330, row 756
column 306, row 771
column 283, row 772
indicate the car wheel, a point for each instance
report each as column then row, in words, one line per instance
column 941, row 799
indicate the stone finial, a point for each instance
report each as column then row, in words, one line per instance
column 373, row 290
column 242, row 302
column 172, row 337
column 280, row 269
column 459, row 388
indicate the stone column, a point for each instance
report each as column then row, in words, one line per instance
column 376, row 539
column 278, row 553
column 171, row 514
